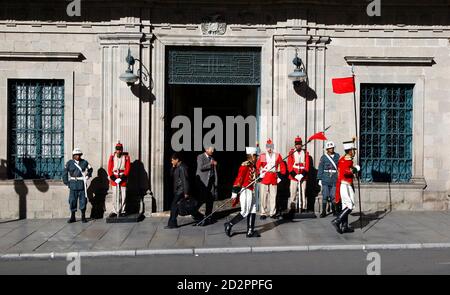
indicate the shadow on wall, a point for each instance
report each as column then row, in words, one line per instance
column 312, row 186
column 21, row 187
column 137, row 187
column 97, row 192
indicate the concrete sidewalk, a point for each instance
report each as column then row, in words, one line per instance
column 31, row 239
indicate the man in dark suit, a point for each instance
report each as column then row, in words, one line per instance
column 206, row 179
column 181, row 189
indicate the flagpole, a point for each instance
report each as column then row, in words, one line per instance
column 357, row 146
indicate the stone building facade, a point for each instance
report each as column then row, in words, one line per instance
column 407, row 45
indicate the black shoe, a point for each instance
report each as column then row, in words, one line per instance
column 72, row 218
column 228, row 227
column 253, row 234
column 112, row 215
column 263, row 217
column 323, row 214
column 336, row 225
column 83, row 217
column 171, row 226
column 274, row 216
column 347, row 229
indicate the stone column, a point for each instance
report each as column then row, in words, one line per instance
column 123, row 110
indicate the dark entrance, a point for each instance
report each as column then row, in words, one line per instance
column 219, row 92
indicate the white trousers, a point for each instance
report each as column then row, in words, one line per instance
column 292, row 202
column 268, row 193
column 347, row 196
column 248, row 202
column 118, row 200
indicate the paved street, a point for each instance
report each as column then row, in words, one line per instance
column 44, row 236
column 290, row 263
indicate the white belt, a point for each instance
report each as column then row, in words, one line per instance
column 76, row 178
column 330, row 171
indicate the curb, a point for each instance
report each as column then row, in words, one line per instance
column 230, row 250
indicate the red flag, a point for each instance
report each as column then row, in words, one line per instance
column 318, row 136
column 343, row 85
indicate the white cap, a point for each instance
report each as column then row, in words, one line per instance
column 77, row 151
column 250, row 150
column 349, row 145
column 329, row 145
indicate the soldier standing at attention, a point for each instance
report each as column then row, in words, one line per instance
column 327, row 176
column 118, row 171
column 298, row 167
column 76, row 173
column 271, row 168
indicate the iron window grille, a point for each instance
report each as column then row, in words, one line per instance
column 386, row 132
column 36, row 129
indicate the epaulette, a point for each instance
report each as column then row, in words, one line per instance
column 246, row 163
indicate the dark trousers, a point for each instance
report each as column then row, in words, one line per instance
column 74, row 196
column 174, row 211
column 206, row 195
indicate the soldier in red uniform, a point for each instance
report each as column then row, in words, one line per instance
column 298, row 167
column 246, row 175
column 344, row 188
column 118, row 171
column 270, row 166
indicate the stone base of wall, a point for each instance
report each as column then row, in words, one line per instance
column 41, row 199
column 49, row 199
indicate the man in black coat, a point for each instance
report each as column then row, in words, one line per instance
column 181, row 189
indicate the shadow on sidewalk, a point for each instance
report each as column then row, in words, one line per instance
column 267, row 226
column 368, row 218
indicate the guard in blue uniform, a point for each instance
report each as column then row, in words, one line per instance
column 76, row 173
column 327, row 176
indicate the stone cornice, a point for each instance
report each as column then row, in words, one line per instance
column 291, row 40
column 44, row 56
column 368, row 60
column 124, row 38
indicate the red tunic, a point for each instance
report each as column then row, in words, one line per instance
column 302, row 167
column 271, row 177
column 345, row 173
column 119, row 173
column 246, row 175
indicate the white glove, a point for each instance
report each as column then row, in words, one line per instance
column 357, row 167
column 299, row 177
column 278, row 180
column 262, row 174
column 320, row 183
column 118, row 180
column 86, row 177
column 234, row 195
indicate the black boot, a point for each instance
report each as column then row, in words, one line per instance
column 345, row 227
column 251, row 232
column 72, row 218
column 83, row 216
column 324, row 210
column 338, row 221
column 229, row 225
column 333, row 208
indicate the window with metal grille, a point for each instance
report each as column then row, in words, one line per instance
column 386, row 132
column 36, row 129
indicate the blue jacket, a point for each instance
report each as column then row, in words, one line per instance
column 71, row 170
column 328, row 178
